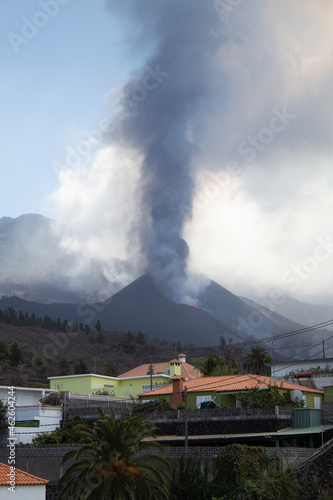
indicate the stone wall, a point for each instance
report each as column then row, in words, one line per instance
column 315, row 476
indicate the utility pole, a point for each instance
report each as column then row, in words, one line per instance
column 272, row 371
column 151, row 373
column 117, row 352
column 323, row 349
column 186, row 421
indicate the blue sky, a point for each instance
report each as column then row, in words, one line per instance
column 52, row 88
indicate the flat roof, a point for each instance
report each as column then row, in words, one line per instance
column 290, row 431
column 296, row 361
column 109, row 378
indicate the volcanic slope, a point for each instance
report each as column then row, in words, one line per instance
column 141, row 306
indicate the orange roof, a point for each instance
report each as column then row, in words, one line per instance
column 22, row 478
column 231, row 383
column 187, row 371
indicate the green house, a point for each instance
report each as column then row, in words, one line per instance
column 141, row 379
column 224, row 390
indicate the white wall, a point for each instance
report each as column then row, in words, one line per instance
column 279, row 370
column 49, row 418
column 24, row 492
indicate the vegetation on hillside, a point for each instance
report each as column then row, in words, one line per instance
column 255, row 360
column 227, row 360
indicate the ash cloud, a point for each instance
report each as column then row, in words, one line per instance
column 165, row 110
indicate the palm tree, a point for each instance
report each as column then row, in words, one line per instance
column 115, row 466
column 255, row 360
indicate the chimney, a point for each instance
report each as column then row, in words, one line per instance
column 182, row 358
column 177, row 391
column 175, row 369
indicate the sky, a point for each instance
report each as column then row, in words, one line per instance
column 244, row 92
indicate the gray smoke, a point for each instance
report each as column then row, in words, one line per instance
column 163, row 116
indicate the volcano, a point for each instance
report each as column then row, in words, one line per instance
column 142, row 306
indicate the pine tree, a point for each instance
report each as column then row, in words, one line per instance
column 63, row 367
column 110, row 368
column 4, row 352
column 81, row 367
column 15, row 355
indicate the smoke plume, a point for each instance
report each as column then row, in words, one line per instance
column 163, row 117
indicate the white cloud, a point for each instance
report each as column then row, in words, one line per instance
column 99, row 205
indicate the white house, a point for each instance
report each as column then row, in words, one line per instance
column 24, row 486
column 23, row 406
column 284, row 369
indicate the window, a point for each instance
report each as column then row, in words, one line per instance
column 317, row 403
column 97, row 386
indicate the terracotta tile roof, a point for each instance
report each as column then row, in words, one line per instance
column 22, row 478
column 231, row 383
column 188, row 371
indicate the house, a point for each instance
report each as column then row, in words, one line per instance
column 28, row 415
column 25, row 486
column 288, row 368
column 224, row 390
column 129, row 384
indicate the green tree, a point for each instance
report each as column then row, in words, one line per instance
column 15, row 355
column 273, row 396
column 63, row 367
column 81, row 367
column 52, row 399
column 4, row 351
column 39, row 365
column 110, row 368
column 65, row 434
column 3, row 417
column 249, row 472
column 190, row 480
column 112, row 465
column 100, row 338
column 255, row 360
column 206, row 365
column 140, row 338
column 98, row 326
column 232, row 356
column 128, row 343
column 74, row 326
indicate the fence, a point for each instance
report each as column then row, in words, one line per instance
column 223, row 413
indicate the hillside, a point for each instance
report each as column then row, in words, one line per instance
column 52, row 346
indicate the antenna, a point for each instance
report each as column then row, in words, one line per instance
column 297, row 396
